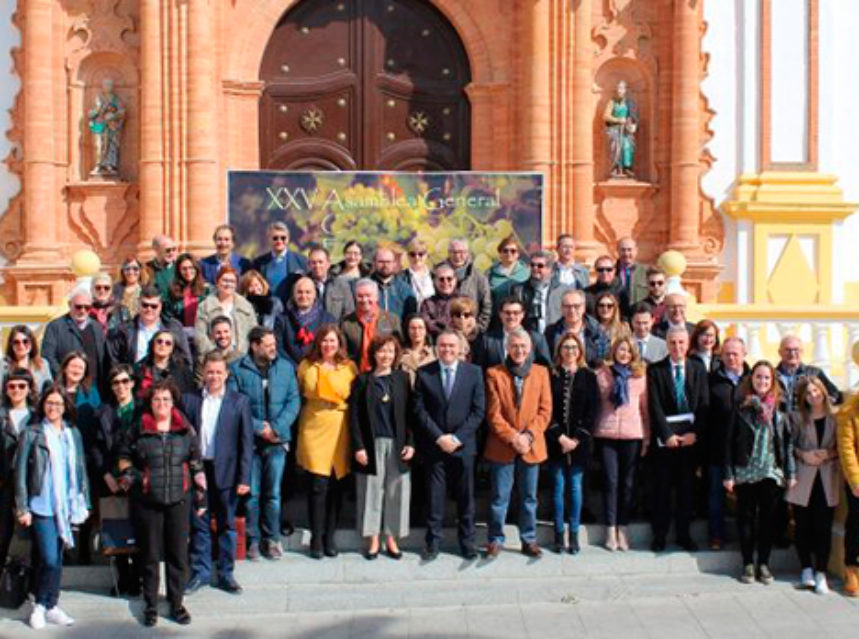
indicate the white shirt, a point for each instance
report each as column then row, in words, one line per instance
column 566, row 274
column 19, row 417
column 144, row 335
column 452, row 368
column 422, row 285
column 209, row 423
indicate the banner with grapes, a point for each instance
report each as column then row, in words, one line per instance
column 383, row 208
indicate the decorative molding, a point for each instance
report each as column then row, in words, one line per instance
column 12, row 243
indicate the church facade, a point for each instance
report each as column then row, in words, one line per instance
column 741, row 137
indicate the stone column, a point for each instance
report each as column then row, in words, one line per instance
column 685, row 125
column 203, row 203
column 40, row 211
column 584, row 215
column 151, row 164
column 536, row 112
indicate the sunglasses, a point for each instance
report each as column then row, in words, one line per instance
column 606, row 305
column 462, row 314
column 150, row 305
column 446, row 279
column 656, row 283
column 23, row 341
column 131, row 268
column 124, row 381
column 537, row 265
column 83, row 307
column 101, row 287
column 417, row 253
column 282, row 238
column 605, row 269
column 17, row 385
column 164, row 342
column 509, row 250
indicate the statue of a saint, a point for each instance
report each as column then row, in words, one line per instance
column 621, row 120
column 106, row 120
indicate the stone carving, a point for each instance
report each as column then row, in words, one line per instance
column 621, row 120
column 106, row 120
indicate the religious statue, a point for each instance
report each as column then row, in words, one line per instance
column 106, row 120
column 621, row 120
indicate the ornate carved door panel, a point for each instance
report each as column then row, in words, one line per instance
column 365, row 84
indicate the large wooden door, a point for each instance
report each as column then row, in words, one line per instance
column 364, row 84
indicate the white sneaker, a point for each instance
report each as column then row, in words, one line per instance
column 57, row 616
column 806, row 578
column 37, row 617
column 820, row 585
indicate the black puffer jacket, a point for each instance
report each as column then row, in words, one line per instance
column 163, row 465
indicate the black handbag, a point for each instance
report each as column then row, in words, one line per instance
column 13, row 583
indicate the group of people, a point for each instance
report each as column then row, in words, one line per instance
column 187, row 385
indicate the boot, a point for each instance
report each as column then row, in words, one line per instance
column 611, row 538
column 332, row 516
column 622, row 539
column 851, row 581
column 316, row 514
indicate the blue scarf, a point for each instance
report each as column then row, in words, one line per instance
column 620, row 385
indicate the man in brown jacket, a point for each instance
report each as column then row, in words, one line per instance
column 518, row 410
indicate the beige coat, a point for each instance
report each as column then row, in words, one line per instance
column 804, row 436
column 243, row 316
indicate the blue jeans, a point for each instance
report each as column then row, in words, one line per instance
column 49, row 547
column 263, row 506
column 715, row 502
column 222, row 507
column 567, row 478
column 502, row 476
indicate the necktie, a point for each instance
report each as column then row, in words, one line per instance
column 448, row 382
column 641, row 348
column 679, row 389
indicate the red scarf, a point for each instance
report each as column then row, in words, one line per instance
column 368, row 332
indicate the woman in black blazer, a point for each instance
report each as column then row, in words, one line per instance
column 575, row 402
column 382, row 444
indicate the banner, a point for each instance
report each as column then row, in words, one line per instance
column 330, row 208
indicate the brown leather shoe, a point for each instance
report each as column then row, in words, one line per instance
column 493, row 549
column 531, row 550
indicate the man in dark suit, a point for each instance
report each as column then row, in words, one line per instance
column 596, row 342
column 678, row 396
column 490, row 349
column 675, row 315
column 541, row 294
column 222, row 419
column 650, row 348
column 76, row 331
column 606, row 281
column 224, row 255
column 128, row 343
column 449, row 406
column 278, row 264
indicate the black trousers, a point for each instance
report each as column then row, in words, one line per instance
column 814, row 529
column 851, row 530
column 459, row 472
column 618, row 465
column 756, row 507
column 673, row 473
column 164, row 533
column 7, row 518
column 324, row 500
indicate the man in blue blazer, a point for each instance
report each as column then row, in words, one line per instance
column 448, row 408
column 224, row 255
column 222, row 420
column 278, row 264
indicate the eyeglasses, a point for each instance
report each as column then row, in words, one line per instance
column 605, row 269
column 101, row 287
column 282, row 238
column 462, row 314
column 227, row 282
column 509, row 249
column 21, row 341
column 124, row 381
column 152, row 306
column 54, row 404
column 82, row 307
column 131, row 268
column 512, row 312
column 164, row 342
column 570, row 347
column 417, row 253
column 17, row 385
column 538, row 265
column 656, row 283
column 445, row 279
column 605, row 305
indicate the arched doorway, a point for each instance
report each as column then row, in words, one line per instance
column 365, row 84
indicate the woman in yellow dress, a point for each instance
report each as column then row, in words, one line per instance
column 325, row 379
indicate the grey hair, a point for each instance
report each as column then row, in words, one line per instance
column 366, row 282
column 676, row 330
column 577, row 293
column 102, row 277
column 278, row 226
column 80, row 291
column 518, row 333
column 457, row 240
column 546, row 255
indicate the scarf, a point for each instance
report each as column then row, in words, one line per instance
column 620, row 385
column 368, row 332
column 100, row 312
column 190, row 303
column 763, row 409
column 303, row 321
column 70, row 508
column 519, row 374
